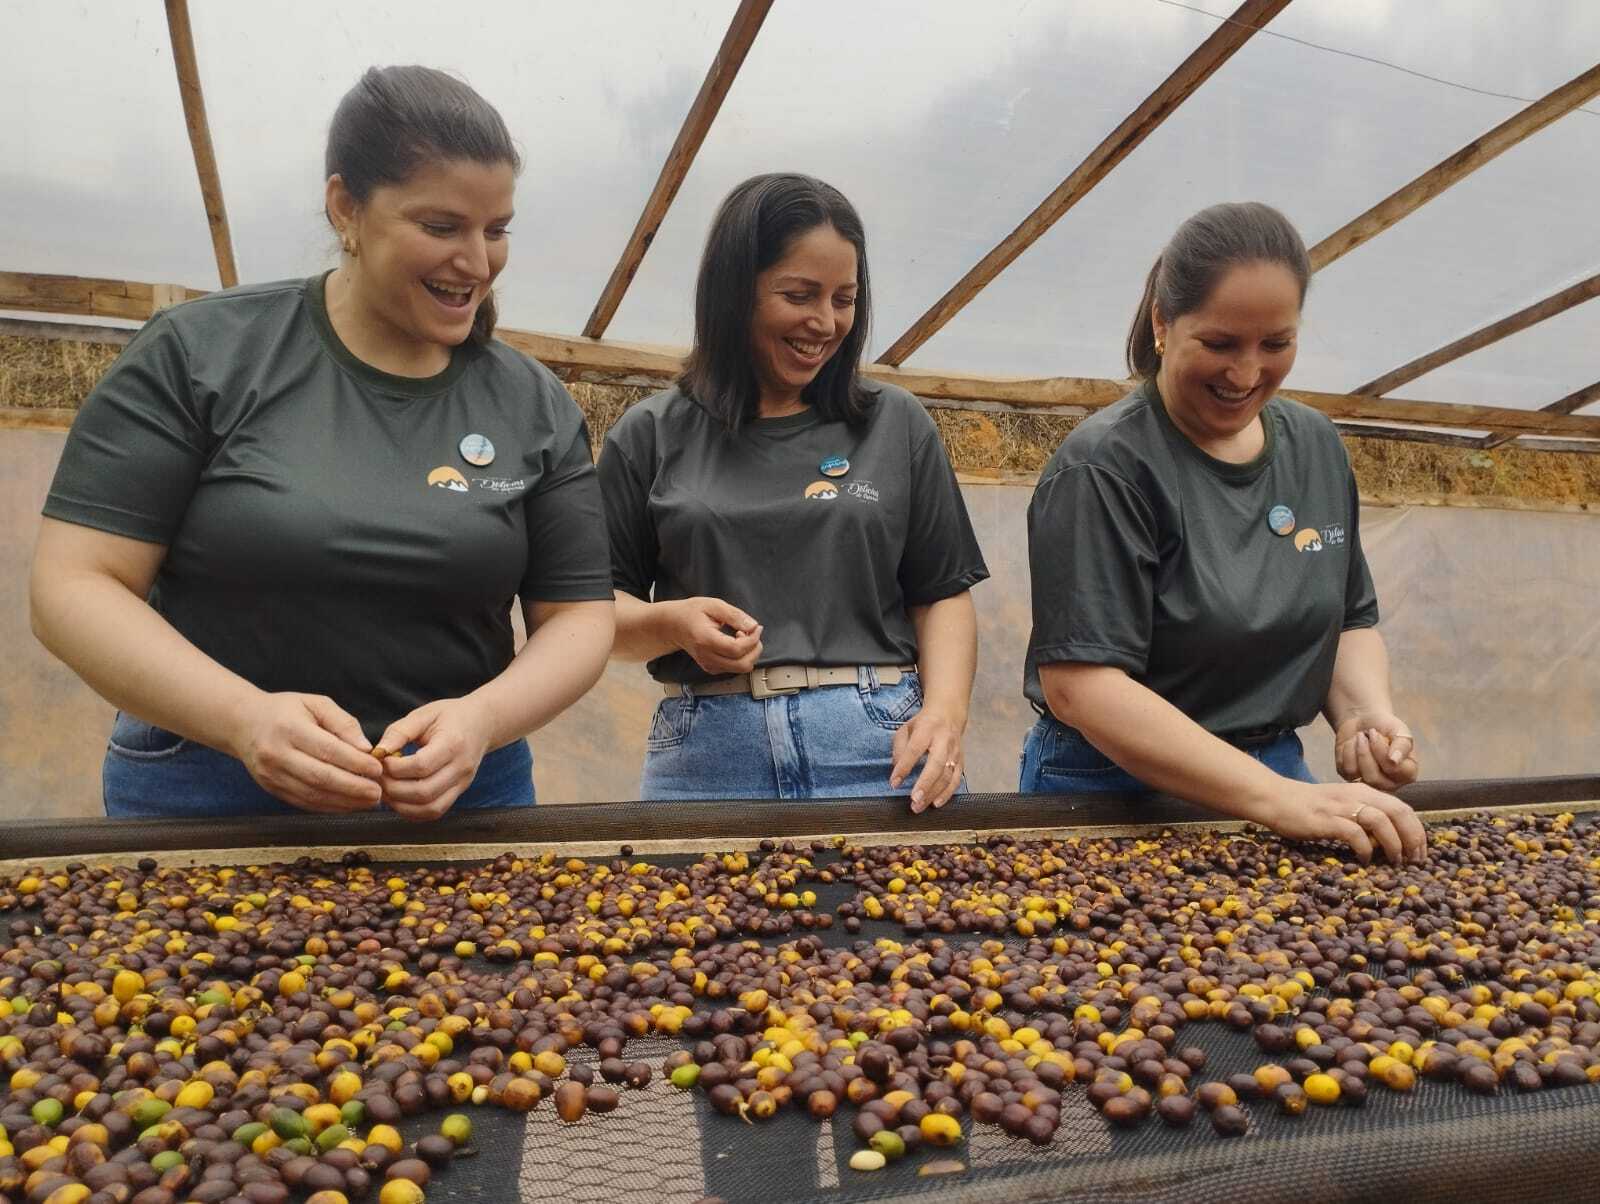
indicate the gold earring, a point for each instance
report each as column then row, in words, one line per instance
column 1161, row 348
column 350, row 246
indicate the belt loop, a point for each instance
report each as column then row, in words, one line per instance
column 872, row 678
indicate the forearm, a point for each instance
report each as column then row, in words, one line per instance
column 1360, row 677
column 641, row 629
column 1160, row 745
column 134, row 659
column 947, row 654
column 561, row 660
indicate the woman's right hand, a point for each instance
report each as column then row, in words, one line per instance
column 1352, row 814
column 308, row 751
column 698, row 626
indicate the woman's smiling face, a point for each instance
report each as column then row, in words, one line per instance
column 1223, row 362
column 804, row 307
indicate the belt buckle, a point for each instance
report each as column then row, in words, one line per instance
column 760, row 689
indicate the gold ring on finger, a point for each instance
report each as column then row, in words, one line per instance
column 949, row 764
column 1356, row 814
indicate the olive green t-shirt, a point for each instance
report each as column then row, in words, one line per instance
column 1222, row 587
column 326, row 531
column 822, row 532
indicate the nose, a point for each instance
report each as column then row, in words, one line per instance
column 472, row 256
column 820, row 319
column 1244, row 372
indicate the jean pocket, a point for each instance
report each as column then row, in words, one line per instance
column 1066, row 752
column 137, row 740
column 892, row 707
column 670, row 726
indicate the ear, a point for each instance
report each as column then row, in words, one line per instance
column 342, row 208
column 1157, row 322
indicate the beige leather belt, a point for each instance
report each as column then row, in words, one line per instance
column 787, row 679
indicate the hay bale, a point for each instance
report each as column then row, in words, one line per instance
column 52, row 373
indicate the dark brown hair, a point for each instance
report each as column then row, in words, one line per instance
column 396, row 119
column 755, row 226
column 1199, row 255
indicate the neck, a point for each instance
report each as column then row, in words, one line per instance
column 1239, row 447
column 779, row 405
column 371, row 339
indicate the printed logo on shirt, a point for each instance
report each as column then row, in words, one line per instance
column 500, row 484
column 862, row 491
column 1308, row 539
column 822, row 491
column 445, row 477
column 1332, row 535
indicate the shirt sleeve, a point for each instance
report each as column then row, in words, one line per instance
column 1092, row 559
column 941, row 557
column 1360, row 595
column 138, row 444
column 626, row 490
column 567, row 556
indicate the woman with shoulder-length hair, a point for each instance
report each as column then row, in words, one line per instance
column 1199, row 589
column 289, row 524
column 790, row 549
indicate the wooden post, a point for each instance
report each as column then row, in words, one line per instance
column 1216, row 50
column 736, row 44
column 205, row 158
column 1456, row 168
column 1560, row 302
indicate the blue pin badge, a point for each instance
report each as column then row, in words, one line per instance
column 1281, row 520
column 477, row 450
column 834, row 466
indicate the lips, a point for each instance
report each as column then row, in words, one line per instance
column 448, row 294
column 809, row 353
column 1233, row 398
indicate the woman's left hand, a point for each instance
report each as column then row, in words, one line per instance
column 1375, row 748
column 451, row 736
column 937, row 737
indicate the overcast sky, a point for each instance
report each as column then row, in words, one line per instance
column 945, row 122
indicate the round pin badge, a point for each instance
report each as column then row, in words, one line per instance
column 477, row 450
column 1281, row 520
column 835, row 466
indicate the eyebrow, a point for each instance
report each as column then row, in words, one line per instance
column 1219, row 332
column 790, row 280
column 441, row 211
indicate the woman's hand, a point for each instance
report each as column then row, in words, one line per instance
column 936, row 736
column 309, row 752
column 451, row 737
column 1356, row 815
column 698, row 626
column 1376, row 748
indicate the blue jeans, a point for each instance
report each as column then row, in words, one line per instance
column 830, row 742
column 1056, row 759
column 151, row 773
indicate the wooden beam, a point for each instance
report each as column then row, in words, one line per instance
column 651, row 364
column 205, row 158
column 1570, row 404
column 1216, row 50
column 730, row 57
column 1456, row 168
column 69, row 332
column 1557, row 303
column 36, row 418
column 88, row 296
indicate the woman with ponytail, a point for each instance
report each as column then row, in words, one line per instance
column 1199, row 590
column 290, row 522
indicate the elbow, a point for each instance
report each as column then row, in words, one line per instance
column 1071, row 691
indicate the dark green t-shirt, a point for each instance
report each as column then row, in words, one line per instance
column 325, row 531
column 827, row 563
column 1149, row 555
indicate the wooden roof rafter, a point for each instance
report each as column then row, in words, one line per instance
column 1570, row 404
column 719, row 79
column 1539, row 311
column 1448, row 172
column 205, row 155
column 1234, row 32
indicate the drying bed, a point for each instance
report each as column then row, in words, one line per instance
column 1041, row 998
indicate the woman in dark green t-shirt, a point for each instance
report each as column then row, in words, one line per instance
column 1199, row 590
column 791, row 552
column 289, row 524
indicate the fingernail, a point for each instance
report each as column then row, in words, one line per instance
column 916, row 800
